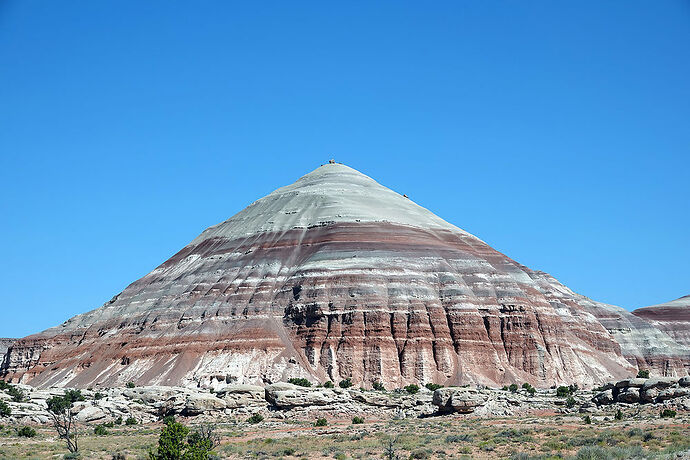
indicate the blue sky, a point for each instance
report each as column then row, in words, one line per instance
column 558, row 132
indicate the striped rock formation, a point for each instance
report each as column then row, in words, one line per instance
column 336, row 276
column 671, row 317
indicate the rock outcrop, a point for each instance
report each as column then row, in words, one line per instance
column 655, row 390
column 334, row 277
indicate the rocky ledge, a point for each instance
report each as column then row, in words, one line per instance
column 284, row 400
column 657, row 390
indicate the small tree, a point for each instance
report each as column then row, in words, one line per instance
column 643, row 374
column 433, row 386
column 562, row 391
column 378, row 386
column 130, row 384
column 619, row 415
column 321, row 422
column 346, row 383
column 60, row 409
column 328, row 384
column 570, row 402
column 389, row 452
column 357, row 420
column 175, row 442
column 513, row 388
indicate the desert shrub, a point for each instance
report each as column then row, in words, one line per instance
column 16, row 393
column 487, row 446
column 433, row 386
column 513, row 388
column 505, row 388
column 74, row 395
column 98, row 396
column 321, row 422
column 130, row 421
column 421, row 454
column 72, row 456
column 563, row 391
column 109, row 424
column 288, row 451
column 570, row 402
column 643, row 374
column 459, row 438
column 4, row 385
column 26, row 432
column 357, row 420
column 302, row 382
column 378, row 386
column 5, row 410
column 118, row 420
column 346, row 383
column 130, row 384
column 256, row 418
column 412, row 389
column 100, row 430
column 587, row 420
column 329, row 384
column 619, row 415
column 667, row 413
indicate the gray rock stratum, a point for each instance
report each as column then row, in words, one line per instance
column 671, row 317
column 336, row 276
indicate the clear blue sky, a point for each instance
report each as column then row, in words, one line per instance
column 558, row 132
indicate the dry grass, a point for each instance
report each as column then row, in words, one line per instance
column 450, row 437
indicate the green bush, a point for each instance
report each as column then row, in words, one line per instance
column 357, row 420
column 587, row 420
column 347, row 383
column 289, row 451
column 321, row 422
column 433, row 386
column 5, row 410
column 98, row 396
column 513, row 388
column 459, row 438
column 570, row 402
column 100, row 430
column 529, row 388
column 118, row 420
column 74, row 395
column 4, row 385
column 563, row 391
column 667, row 413
column 300, row 382
column 26, row 432
column 643, row 374
column 619, row 415
column 412, row 389
column 130, row 421
column 256, row 418
column 378, row 386
column 16, row 393
column 329, row 384
column 130, row 384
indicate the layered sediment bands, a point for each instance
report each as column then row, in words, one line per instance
column 332, row 277
column 672, row 317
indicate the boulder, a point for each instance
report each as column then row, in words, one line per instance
column 463, row 400
column 286, row 395
column 629, row 395
column 634, row 383
column 673, row 393
column 649, row 395
column 91, row 414
column 659, row 382
column 604, row 397
column 200, row 403
column 236, row 396
column 684, row 381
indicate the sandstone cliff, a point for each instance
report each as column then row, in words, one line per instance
column 336, row 276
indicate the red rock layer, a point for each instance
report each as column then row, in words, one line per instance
column 370, row 301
